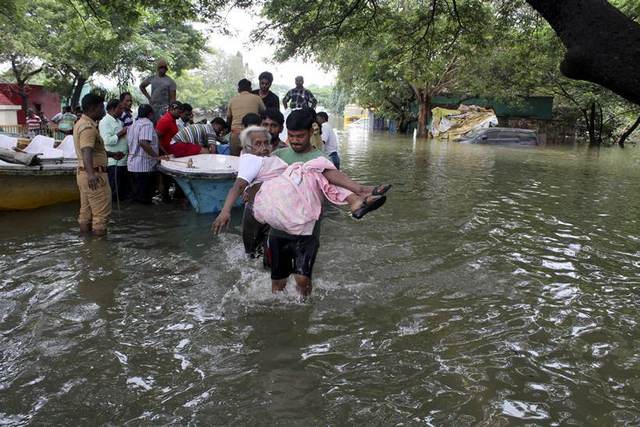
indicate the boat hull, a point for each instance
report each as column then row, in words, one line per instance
column 205, row 179
column 22, row 192
column 206, row 196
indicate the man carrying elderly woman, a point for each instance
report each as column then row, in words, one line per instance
column 286, row 192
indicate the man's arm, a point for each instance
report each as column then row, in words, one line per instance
column 143, row 88
column 87, row 160
column 324, row 133
column 172, row 91
column 224, row 217
column 312, row 99
column 286, row 99
column 146, row 146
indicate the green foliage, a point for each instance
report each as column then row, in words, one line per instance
column 387, row 53
column 525, row 60
column 212, row 85
column 77, row 39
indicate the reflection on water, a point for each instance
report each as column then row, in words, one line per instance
column 497, row 286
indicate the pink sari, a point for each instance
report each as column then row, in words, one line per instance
column 290, row 198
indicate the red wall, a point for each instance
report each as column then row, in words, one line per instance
column 49, row 101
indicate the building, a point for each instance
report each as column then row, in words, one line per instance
column 8, row 111
column 39, row 98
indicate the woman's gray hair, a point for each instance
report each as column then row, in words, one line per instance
column 245, row 135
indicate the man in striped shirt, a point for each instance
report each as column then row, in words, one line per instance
column 34, row 122
column 143, row 155
column 194, row 139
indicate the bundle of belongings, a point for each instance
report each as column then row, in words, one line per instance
column 453, row 124
column 19, row 157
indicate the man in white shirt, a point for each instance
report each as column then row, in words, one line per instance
column 329, row 139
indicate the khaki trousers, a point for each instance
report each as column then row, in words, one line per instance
column 95, row 205
column 234, row 142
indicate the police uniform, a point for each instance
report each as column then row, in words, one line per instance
column 95, row 205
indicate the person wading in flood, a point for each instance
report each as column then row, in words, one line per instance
column 290, row 199
column 93, row 183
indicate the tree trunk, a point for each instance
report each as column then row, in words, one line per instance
column 628, row 132
column 402, row 123
column 77, row 91
column 591, row 125
column 423, row 113
column 24, row 97
column 603, row 44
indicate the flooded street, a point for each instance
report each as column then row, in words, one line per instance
column 497, row 286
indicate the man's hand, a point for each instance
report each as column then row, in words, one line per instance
column 122, row 132
column 94, row 180
column 164, row 157
column 221, row 222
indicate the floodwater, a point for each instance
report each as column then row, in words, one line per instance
column 498, row 286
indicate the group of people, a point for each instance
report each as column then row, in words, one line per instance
column 284, row 190
column 62, row 123
column 284, row 183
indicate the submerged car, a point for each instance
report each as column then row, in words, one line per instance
column 502, row 136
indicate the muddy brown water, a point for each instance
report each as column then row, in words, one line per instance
column 498, row 286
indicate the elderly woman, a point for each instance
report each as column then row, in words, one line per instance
column 290, row 197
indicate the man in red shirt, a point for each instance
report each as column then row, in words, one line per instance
column 167, row 126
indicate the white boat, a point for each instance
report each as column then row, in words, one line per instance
column 205, row 178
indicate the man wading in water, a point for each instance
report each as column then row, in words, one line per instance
column 293, row 184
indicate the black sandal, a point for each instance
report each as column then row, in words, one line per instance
column 380, row 190
column 368, row 207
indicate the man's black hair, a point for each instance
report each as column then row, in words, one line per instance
column 324, row 115
column 265, row 75
column 273, row 114
column 301, row 119
column 220, row 121
column 175, row 104
column 187, row 107
column 244, row 85
column 124, row 94
column 91, row 100
column 144, row 110
column 113, row 103
column 251, row 119
column 66, row 109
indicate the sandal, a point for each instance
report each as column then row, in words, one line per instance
column 368, row 206
column 380, row 190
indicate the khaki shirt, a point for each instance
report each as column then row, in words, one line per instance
column 243, row 104
column 86, row 134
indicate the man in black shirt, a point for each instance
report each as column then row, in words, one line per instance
column 269, row 98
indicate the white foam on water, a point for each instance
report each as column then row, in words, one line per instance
column 138, row 382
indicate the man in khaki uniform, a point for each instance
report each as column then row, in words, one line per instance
column 95, row 193
column 239, row 106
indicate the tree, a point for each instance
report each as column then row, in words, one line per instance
column 75, row 40
column 602, row 43
column 526, row 59
column 398, row 42
column 17, row 50
column 212, row 85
